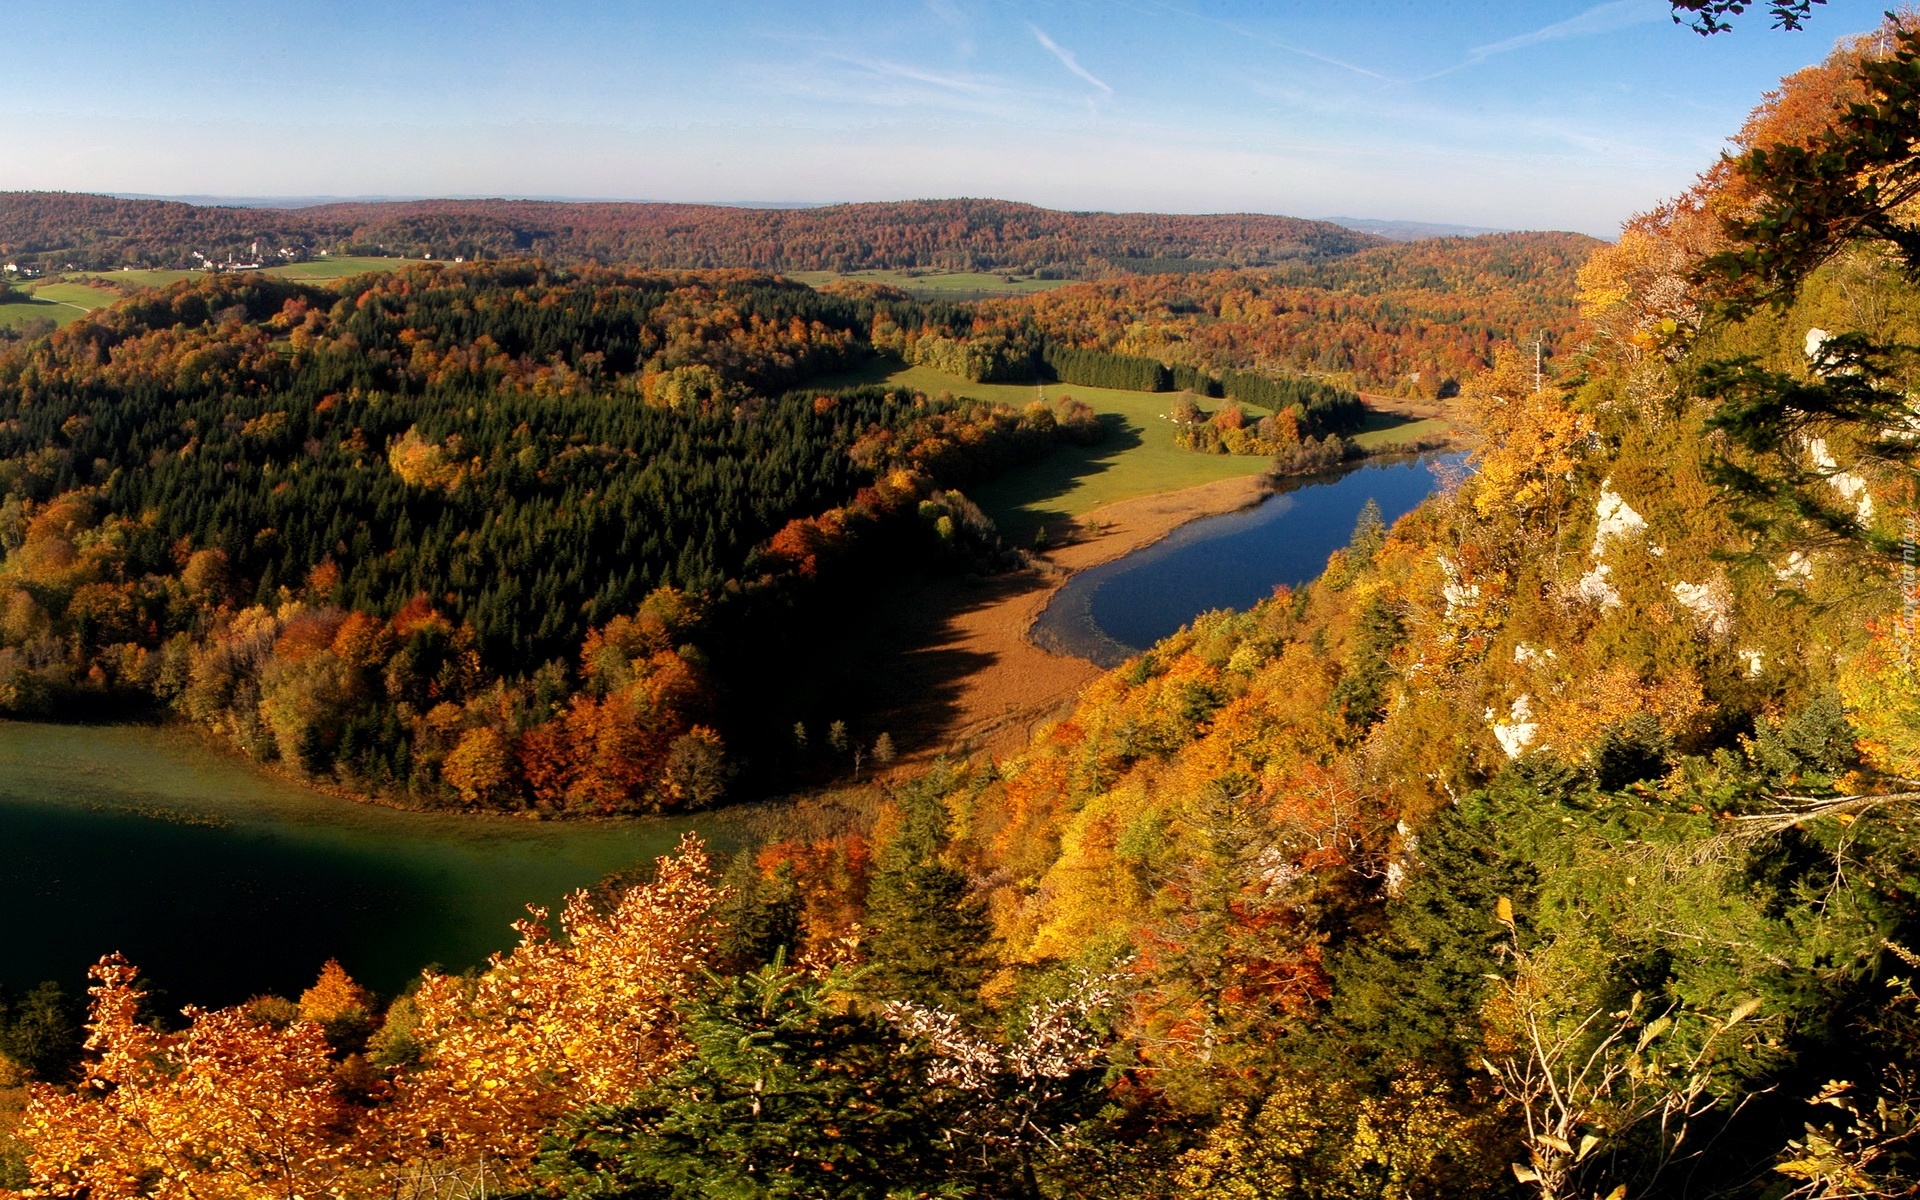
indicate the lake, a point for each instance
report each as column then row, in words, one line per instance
column 221, row 883
column 1113, row 611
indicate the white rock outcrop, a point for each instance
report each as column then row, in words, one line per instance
column 1617, row 518
column 1798, row 566
column 1526, row 655
column 1458, row 595
column 1816, row 343
column 1709, row 603
column 1517, row 732
column 1850, row 486
column 1594, row 587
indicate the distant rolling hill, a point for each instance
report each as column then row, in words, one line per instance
column 1410, row 231
column 56, row 229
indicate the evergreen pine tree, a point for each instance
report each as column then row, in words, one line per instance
column 785, row 1093
column 761, row 913
column 1369, row 532
column 928, row 936
column 41, row 1032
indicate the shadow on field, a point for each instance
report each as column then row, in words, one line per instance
column 1020, row 502
column 918, row 662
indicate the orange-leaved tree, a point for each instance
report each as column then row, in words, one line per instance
column 559, row 1023
column 235, row 1105
column 255, row 1101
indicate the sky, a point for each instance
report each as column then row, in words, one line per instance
column 1479, row 112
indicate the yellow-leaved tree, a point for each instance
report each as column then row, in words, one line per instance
column 559, row 1023
column 254, row 1101
column 232, row 1106
column 1532, row 439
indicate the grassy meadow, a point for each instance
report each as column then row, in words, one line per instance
column 319, row 269
column 1384, row 429
column 1137, row 457
column 75, row 294
column 22, row 312
column 59, row 301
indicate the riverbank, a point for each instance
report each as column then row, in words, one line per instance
column 973, row 681
column 223, row 882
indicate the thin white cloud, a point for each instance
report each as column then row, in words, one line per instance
column 883, row 86
column 1067, row 59
column 1276, row 43
column 1599, row 20
column 947, row 13
column 968, row 84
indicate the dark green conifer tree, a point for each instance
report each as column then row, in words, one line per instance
column 929, row 937
column 786, row 1093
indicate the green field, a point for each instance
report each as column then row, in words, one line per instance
column 71, row 296
column 1392, row 429
column 939, row 285
column 57, row 301
column 320, row 269
column 82, row 296
column 21, row 312
column 317, row 270
column 1137, row 458
column 135, row 278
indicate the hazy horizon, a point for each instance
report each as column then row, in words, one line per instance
column 299, row 202
column 1507, row 115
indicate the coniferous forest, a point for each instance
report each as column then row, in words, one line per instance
column 500, row 536
column 1558, row 841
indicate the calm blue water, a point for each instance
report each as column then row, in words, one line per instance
column 1115, row 610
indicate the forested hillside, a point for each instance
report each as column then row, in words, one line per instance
column 505, row 536
column 1558, row 842
column 1412, row 319
column 64, row 230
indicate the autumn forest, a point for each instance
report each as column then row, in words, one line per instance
column 1555, row 841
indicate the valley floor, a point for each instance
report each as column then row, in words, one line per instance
column 971, row 680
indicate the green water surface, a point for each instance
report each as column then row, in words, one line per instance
column 221, row 883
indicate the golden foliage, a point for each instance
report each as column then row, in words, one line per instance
column 1321, row 1139
column 1533, row 439
column 1881, row 688
column 559, row 1023
column 232, row 1107
column 252, row 1102
column 334, row 995
column 427, row 464
column 480, row 765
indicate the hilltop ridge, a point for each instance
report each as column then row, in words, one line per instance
column 103, row 232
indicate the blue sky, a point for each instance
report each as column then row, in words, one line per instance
column 1482, row 112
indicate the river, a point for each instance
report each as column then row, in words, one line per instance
column 220, row 882
column 1113, row 611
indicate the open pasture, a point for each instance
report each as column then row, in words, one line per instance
column 1137, row 457
column 316, row 270
column 1394, row 429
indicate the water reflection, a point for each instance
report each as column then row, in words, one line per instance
column 1111, row 612
column 221, row 883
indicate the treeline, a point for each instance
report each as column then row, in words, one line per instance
column 1299, row 408
column 463, row 534
column 1324, row 407
column 99, row 232
column 1129, row 372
